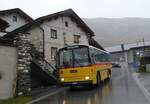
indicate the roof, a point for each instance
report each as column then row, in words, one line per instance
column 18, row 11
column 94, row 43
column 7, row 42
column 117, row 48
column 3, row 25
column 147, row 46
column 68, row 12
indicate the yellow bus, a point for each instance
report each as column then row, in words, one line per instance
column 82, row 65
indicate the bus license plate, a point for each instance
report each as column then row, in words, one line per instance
column 73, row 71
column 74, row 83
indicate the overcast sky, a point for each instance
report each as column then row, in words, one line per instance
column 84, row 8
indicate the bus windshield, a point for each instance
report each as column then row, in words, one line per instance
column 81, row 57
column 74, row 57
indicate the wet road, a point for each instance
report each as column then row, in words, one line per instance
column 121, row 89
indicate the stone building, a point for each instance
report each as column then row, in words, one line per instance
column 51, row 32
column 15, row 17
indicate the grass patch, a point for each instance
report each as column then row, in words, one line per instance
column 16, row 100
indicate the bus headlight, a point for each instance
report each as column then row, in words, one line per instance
column 62, row 79
column 87, row 77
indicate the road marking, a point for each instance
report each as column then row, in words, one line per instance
column 48, row 95
column 143, row 89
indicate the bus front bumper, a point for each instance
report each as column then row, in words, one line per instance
column 77, row 83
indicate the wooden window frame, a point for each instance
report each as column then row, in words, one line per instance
column 76, row 41
column 52, row 33
column 66, row 24
column 14, row 18
column 53, row 57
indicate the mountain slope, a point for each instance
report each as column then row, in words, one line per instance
column 110, row 31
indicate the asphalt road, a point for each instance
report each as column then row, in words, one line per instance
column 121, row 89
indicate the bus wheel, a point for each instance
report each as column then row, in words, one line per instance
column 98, row 79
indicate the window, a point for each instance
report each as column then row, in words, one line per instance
column 66, row 24
column 76, row 38
column 81, row 57
column 53, row 34
column 14, row 19
column 64, row 36
column 73, row 57
column 53, row 52
column 66, row 59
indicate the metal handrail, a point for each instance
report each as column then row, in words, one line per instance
column 49, row 64
column 44, row 63
column 49, row 73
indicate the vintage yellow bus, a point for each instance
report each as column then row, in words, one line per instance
column 82, row 65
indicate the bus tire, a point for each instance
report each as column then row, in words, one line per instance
column 98, row 77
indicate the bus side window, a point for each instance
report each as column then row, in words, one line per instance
column 93, row 58
column 98, row 58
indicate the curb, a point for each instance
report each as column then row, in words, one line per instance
column 143, row 89
column 48, row 95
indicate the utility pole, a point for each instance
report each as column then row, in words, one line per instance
column 122, row 47
column 123, row 50
column 143, row 45
column 143, row 42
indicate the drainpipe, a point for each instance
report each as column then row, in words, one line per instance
column 43, row 42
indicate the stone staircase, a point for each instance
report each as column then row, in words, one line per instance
column 42, row 69
column 46, row 67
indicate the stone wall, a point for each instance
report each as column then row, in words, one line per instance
column 22, row 42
